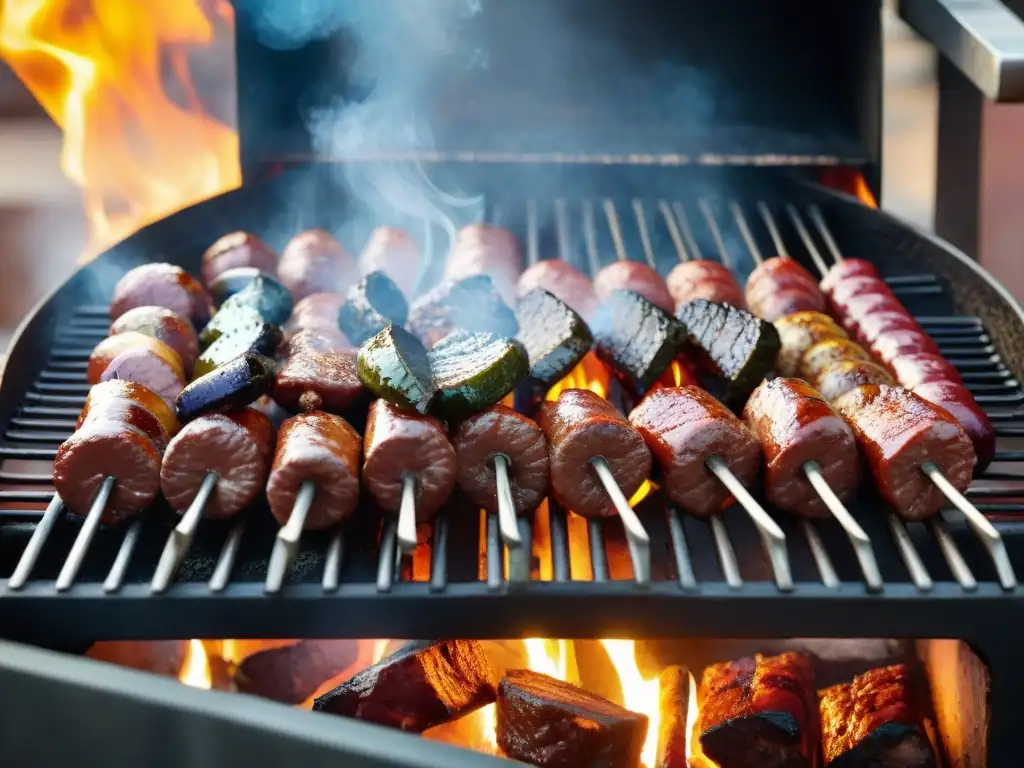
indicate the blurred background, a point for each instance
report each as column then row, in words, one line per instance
column 48, row 223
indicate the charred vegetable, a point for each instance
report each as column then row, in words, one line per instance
column 264, row 294
column 473, row 371
column 636, row 338
column 394, row 366
column 231, row 281
column 230, row 387
column 733, row 350
column 371, row 305
column 555, row 337
column 238, row 331
column 472, row 304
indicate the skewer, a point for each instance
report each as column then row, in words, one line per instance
column 124, row 555
column 826, row 570
column 687, row 230
column 616, row 229
column 508, row 522
column 636, row 535
column 590, row 238
column 532, row 233
column 748, row 236
column 226, row 561
column 36, row 544
column 773, row 230
column 69, row 571
column 645, row 235
column 180, row 540
column 826, row 234
column 726, row 553
column 286, row 545
column 407, row 515
column 957, row 565
column 716, row 234
column 562, row 229
column 808, row 242
column 673, row 230
column 908, row 553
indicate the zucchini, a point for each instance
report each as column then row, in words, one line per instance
column 267, row 296
column 733, row 350
column 233, row 332
column 473, row 371
column 371, row 305
column 232, row 386
column 555, row 337
column 393, row 365
column 637, row 339
column 472, row 304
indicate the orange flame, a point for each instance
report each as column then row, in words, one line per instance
column 97, row 68
column 196, row 669
column 852, row 182
column 639, row 695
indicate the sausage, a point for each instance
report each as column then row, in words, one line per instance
column 316, row 312
column 313, row 380
column 636, row 277
column 154, row 369
column 959, row 403
column 164, row 325
column 104, row 448
column 314, row 262
column 684, row 427
column 893, row 344
column 237, row 446
column 897, row 432
column 580, row 426
column 777, row 273
column 845, row 269
column 787, row 301
column 119, row 409
column 858, row 286
column 794, row 426
column 398, row 443
column 112, row 346
column 798, row 333
column 323, row 448
column 501, row 430
column 237, row 249
column 162, row 285
column 821, row 356
column 394, row 252
column 137, row 393
column 845, row 375
column 871, row 327
column 483, row 249
column 865, row 305
column 913, row 370
column 703, row 279
column 563, row 281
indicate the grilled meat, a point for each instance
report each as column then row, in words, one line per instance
column 839, row 378
column 103, row 354
column 234, row 250
column 564, row 281
column 780, row 286
column 314, row 262
column 635, row 277
column 395, row 253
column 847, row 268
column 313, row 380
column 317, row 312
column 162, row 285
column 958, row 402
column 172, row 329
column 151, row 401
column 483, row 249
column 157, row 369
column 703, row 279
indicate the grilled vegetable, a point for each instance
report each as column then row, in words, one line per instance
column 472, row 304
column 636, row 338
column 734, row 350
column 371, row 305
column 394, row 366
column 231, row 281
column 473, row 371
column 267, row 296
column 230, row 387
column 239, row 330
column 555, row 337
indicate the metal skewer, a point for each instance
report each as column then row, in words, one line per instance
column 69, row 571
column 636, row 535
column 716, row 234
column 36, row 544
column 508, row 521
column 808, row 242
column 748, row 236
column 773, row 230
column 616, row 230
column 407, row 515
column 286, row 545
column 180, row 540
column 684, row 225
column 645, row 235
column 532, row 233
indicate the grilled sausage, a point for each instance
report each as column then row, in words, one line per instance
column 501, row 430
column 845, row 269
column 823, row 355
column 703, row 279
column 394, row 252
column 915, row 369
column 581, row 426
column 959, row 403
column 398, row 443
column 320, row 340
column 236, row 446
column 636, row 277
column 890, row 345
column 563, row 281
column 103, row 354
column 794, row 426
column 860, row 285
column 119, row 409
column 775, row 274
column 101, row 449
column 316, row 312
column 685, row 426
column 312, row 380
column 237, row 249
column 787, row 301
column 898, row 432
column 483, row 249
column 314, row 262
column 164, row 325
column 798, row 333
column 155, row 369
column 864, row 306
column 841, row 377
column 871, row 327
column 137, row 393
column 323, row 448
column 162, row 285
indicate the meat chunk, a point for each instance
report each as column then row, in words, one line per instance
column 847, row 268
column 107, row 407
column 316, row 312
column 684, row 427
column 314, row 262
column 483, row 249
column 137, row 393
column 794, row 426
column 172, row 329
column 162, row 285
column 581, row 426
column 839, row 378
column 781, row 286
column 156, row 370
column 562, row 280
column 704, row 280
column 318, row 381
column 958, row 402
column 394, row 252
column 103, row 355
column 636, row 277
column 915, row 369
column 237, row 249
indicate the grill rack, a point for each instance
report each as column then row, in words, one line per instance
column 358, row 561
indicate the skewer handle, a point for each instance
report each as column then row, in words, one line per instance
column 407, row 515
column 506, row 506
column 182, row 536
column 67, row 574
column 636, row 535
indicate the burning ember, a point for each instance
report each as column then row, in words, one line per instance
column 116, row 78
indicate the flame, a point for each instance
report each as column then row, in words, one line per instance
column 590, row 373
column 96, row 67
column 196, row 669
column 638, row 694
column 852, row 182
column 692, row 711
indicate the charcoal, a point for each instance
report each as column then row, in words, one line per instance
column 673, row 702
column 420, row 686
column 291, row 674
column 553, row 724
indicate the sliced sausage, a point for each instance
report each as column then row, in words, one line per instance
column 897, row 433
column 864, row 306
column 798, row 333
column 104, row 353
column 315, row 312
column 162, row 285
column 123, row 410
column 845, row 375
column 398, row 443
column 501, row 430
column 483, row 249
column 237, row 249
column 154, row 369
column 893, row 344
column 778, row 274
column 321, row 340
column 794, row 426
column 636, row 277
column 959, row 403
column 101, row 449
column 318, row 381
column 394, row 252
column 824, row 354
column 563, row 281
column 137, row 393
column 236, row 446
column 323, row 448
column 314, row 262
column 581, row 426
column 162, row 324
column 684, row 427
column 785, row 302
column 871, row 327
column 861, row 285
column 845, row 269
column 913, row 370
column 703, row 279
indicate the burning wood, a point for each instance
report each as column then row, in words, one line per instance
column 673, row 703
column 420, row 686
column 546, row 722
column 292, row 673
column 161, row 657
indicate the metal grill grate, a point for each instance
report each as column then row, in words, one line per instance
column 461, row 554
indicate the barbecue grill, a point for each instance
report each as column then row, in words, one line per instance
column 736, row 184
